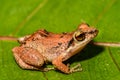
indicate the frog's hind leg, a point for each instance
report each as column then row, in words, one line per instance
column 28, row 58
column 23, row 65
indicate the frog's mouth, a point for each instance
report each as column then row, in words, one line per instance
column 81, row 36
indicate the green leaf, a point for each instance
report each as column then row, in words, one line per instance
column 21, row 17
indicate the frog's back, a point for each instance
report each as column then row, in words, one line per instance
column 50, row 45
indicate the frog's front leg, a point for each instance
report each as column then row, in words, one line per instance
column 28, row 58
column 65, row 68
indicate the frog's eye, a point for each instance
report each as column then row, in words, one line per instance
column 79, row 36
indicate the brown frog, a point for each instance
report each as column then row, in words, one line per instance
column 41, row 47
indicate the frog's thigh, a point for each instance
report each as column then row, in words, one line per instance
column 21, row 63
column 59, row 65
column 32, row 57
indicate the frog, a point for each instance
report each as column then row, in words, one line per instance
column 43, row 47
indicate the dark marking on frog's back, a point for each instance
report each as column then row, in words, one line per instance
column 70, row 43
column 59, row 44
column 43, row 33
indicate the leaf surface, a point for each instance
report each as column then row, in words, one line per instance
column 22, row 17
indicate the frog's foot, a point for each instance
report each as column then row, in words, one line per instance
column 76, row 68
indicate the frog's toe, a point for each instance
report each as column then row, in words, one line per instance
column 48, row 69
column 76, row 68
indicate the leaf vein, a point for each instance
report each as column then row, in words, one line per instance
column 41, row 5
column 105, row 9
column 113, row 59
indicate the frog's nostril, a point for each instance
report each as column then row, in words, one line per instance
column 93, row 31
column 96, row 31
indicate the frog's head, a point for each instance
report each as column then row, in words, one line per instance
column 84, row 33
column 81, row 37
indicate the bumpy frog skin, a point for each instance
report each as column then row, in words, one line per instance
column 42, row 47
